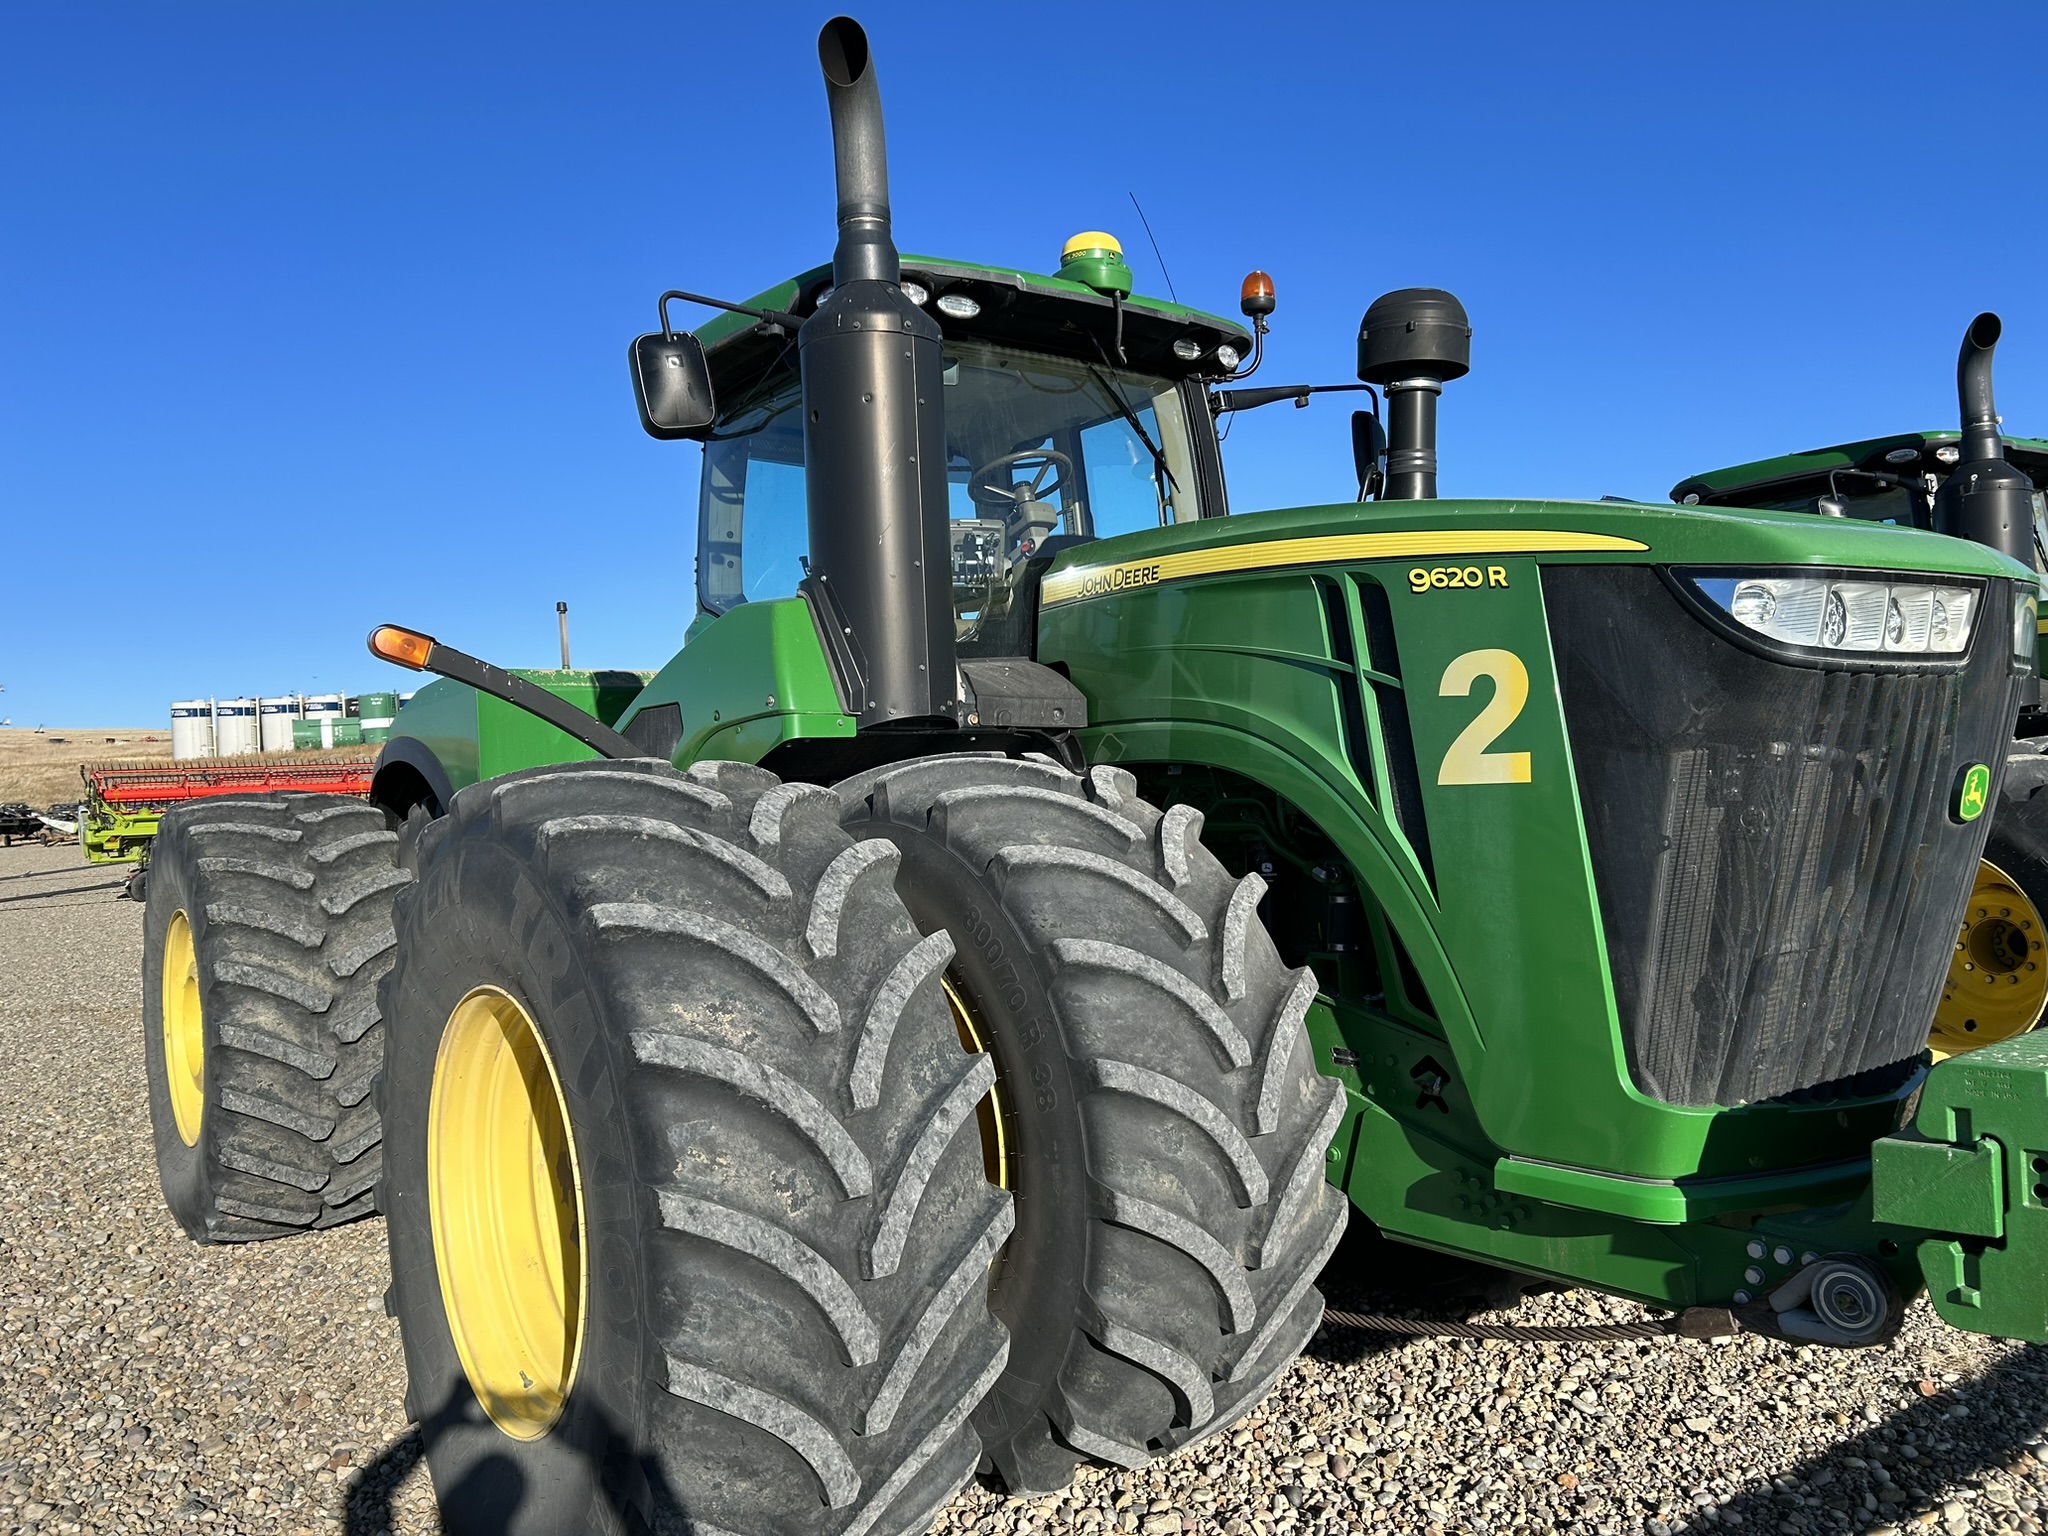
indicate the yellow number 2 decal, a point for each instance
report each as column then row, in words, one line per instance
column 1468, row 761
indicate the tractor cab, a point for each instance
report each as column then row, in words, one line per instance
column 1073, row 412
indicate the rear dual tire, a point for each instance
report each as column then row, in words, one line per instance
column 1166, row 1126
column 260, row 1051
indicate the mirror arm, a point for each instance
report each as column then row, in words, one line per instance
column 777, row 317
column 1221, row 400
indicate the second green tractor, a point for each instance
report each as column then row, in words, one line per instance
column 1997, row 986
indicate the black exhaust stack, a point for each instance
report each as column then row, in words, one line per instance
column 874, row 435
column 1985, row 498
column 1411, row 343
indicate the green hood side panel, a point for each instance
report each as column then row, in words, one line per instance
column 475, row 736
column 747, row 681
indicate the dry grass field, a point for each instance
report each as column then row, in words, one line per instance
column 41, row 768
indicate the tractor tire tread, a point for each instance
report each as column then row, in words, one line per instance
column 1205, row 1129
column 779, row 1354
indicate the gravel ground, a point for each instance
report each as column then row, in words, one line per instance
column 149, row 1384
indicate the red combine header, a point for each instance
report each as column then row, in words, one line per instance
column 125, row 801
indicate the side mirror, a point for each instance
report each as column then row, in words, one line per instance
column 1368, row 452
column 672, row 384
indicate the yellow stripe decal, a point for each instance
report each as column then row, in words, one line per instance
column 1079, row 581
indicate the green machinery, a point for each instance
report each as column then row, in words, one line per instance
column 1997, row 985
column 1569, row 885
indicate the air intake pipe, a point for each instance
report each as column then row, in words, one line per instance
column 874, row 435
column 1985, row 498
column 1411, row 343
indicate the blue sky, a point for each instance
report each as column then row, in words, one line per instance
column 315, row 316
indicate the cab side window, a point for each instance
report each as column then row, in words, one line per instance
column 751, row 528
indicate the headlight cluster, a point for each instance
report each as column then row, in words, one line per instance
column 1833, row 613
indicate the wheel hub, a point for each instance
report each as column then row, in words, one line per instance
column 184, row 1030
column 506, row 1203
column 1997, row 983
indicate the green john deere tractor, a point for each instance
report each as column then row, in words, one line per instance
column 943, row 1017
column 1997, row 985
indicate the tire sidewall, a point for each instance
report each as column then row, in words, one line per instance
column 185, row 1173
column 491, row 926
column 1038, row 1287
column 2018, row 844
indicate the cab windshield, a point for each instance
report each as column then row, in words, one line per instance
column 1040, row 451
column 1906, row 506
column 1867, row 503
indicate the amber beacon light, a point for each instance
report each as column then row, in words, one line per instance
column 1256, row 296
column 402, row 647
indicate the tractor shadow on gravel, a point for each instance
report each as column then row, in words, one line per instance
column 2005, row 1409
column 1372, row 1274
column 492, row 1491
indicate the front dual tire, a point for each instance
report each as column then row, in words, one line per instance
column 679, row 1034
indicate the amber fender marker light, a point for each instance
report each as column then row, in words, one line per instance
column 402, row 647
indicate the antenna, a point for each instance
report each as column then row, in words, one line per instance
column 1155, row 247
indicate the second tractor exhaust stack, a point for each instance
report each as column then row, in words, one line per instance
column 1985, row 498
column 1411, row 342
column 874, row 435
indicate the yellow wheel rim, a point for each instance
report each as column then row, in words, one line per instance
column 184, row 1030
column 1997, row 981
column 989, row 1114
column 506, row 1201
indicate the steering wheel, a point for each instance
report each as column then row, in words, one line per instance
column 984, row 485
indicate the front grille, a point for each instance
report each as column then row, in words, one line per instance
column 1780, row 882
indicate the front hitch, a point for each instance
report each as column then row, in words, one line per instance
column 1970, row 1181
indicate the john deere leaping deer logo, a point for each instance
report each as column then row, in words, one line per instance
column 1973, row 792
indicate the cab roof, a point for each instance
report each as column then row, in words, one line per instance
column 1030, row 310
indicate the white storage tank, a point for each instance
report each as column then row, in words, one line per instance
column 274, row 720
column 321, row 706
column 192, row 728
column 235, row 731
